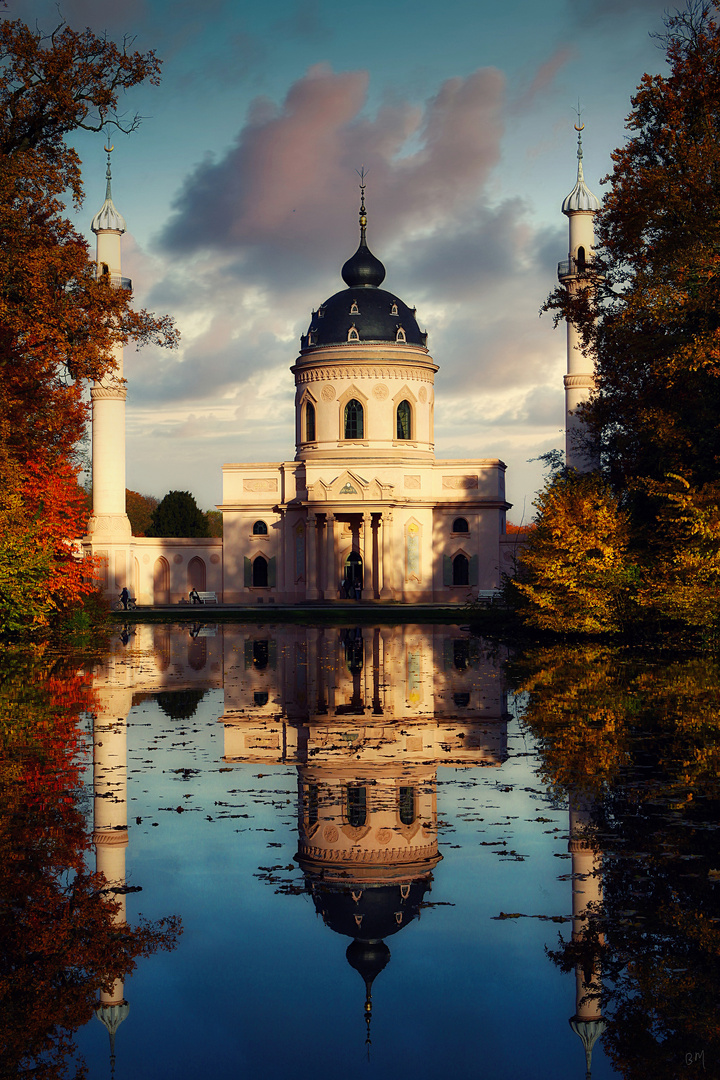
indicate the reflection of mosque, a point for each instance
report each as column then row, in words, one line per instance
column 366, row 717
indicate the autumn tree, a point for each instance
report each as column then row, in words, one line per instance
column 60, row 941
column 139, row 509
column 179, row 515
column 575, row 572
column 651, row 319
column 59, row 321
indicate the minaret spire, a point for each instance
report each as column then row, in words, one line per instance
column 580, row 207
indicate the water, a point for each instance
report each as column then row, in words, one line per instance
column 375, row 840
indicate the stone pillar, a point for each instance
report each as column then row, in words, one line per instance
column 311, row 588
column 388, row 578
column 368, row 576
column 331, row 571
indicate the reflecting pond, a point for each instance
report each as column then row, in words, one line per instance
column 359, row 852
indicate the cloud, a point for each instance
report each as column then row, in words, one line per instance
column 279, row 199
column 544, row 77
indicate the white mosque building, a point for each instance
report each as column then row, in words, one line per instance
column 364, row 506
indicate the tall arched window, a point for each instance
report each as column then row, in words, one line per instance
column 309, row 422
column 353, row 426
column 404, row 414
column 260, row 572
column 461, row 570
column 581, row 258
column 259, row 528
column 356, row 806
column 406, row 801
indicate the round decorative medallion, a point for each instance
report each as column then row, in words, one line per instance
column 383, row 836
column 328, row 393
column 215, row 559
column 330, row 834
column 177, row 558
column 146, row 559
column 380, row 391
column 422, row 394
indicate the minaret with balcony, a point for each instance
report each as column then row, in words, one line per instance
column 580, row 206
column 109, row 531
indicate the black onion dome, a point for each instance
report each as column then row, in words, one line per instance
column 363, row 312
column 363, row 315
column 382, row 909
column 363, row 270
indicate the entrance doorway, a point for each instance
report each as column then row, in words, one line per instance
column 353, row 576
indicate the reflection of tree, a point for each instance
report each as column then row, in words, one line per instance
column 645, row 740
column 180, row 704
column 58, row 939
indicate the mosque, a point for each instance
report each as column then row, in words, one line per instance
column 364, row 509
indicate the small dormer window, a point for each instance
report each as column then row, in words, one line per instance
column 312, row 338
column 321, row 313
column 394, row 309
column 354, row 309
column 400, row 336
column 353, row 334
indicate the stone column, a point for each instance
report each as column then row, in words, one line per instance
column 385, row 556
column 368, row 576
column 331, row 573
column 311, row 586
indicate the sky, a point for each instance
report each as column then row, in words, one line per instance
column 240, row 194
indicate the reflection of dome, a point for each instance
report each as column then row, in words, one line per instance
column 369, row 913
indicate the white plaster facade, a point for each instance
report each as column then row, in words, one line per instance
column 363, row 502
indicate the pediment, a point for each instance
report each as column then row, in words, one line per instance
column 351, row 486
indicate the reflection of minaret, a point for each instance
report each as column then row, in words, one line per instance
column 110, row 834
column 587, row 1023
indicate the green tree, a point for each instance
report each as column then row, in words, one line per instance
column 178, row 515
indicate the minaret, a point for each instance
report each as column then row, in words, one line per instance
column 110, row 833
column 580, row 206
column 588, row 1022
column 109, row 530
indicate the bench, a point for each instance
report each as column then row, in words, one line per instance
column 486, row 597
column 207, row 597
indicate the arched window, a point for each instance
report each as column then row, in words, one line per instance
column 196, row 574
column 354, row 427
column 309, row 422
column 356, row 805
column 259, row 528
column 260, row 653
column 581, row 258
column 406, row 800
column 260, row 572
column 461, row 570
column 460, row 525
column 353, row 334
column 461, row 700
column 260, row 698
column 404, row 414
column 400, row 336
